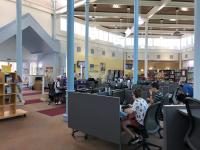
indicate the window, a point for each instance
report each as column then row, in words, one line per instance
column 158, row 56
column 171, row 57
column 186, row 55
column 92, row 51
column 113, row 54
column 78, row 49
column 103, row 53
column 91, row 67
column 63, row 24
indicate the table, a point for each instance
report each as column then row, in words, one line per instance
column 195, row 112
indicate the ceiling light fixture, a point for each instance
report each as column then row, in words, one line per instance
column 116, row 6
column 141, row 21
column 128, row 32
column 172, row 19
column 184, row 9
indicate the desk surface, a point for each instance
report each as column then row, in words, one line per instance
column 195, row 112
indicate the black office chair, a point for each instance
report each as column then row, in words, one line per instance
column 151, row 126
column 192, row 136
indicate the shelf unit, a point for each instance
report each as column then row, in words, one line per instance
column 8, row 96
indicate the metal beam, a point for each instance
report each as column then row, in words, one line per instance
column 157, row 8
column 77, row 4
column 151, row 31
column 124, row 24
column 146, row 3
column 125, row 15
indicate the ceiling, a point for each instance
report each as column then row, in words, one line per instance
column 117, row 20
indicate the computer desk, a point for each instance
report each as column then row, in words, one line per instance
column 175, row 127
column 195, row 112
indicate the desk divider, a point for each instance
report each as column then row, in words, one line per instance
column 95, row 115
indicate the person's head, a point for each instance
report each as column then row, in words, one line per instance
column 58, row 78
column 155, row 86
column 182, row 82
column 137, row 93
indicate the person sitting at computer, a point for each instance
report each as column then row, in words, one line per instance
column 186, row 88
column 155, row 94
column 136, row 114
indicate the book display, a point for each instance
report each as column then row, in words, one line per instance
column 8, row 96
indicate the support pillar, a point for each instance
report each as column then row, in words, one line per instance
column 54, row 19
column 146, row 50
column 19, row 51
column 180, row 61
column 135, row 53
column 86, row 37
column 70, row 52
column 197, row 50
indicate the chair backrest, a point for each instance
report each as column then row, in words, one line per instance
column 192, row 135
column 128, row 96
column 166, row 99
column 150, row 121
column 174, row 96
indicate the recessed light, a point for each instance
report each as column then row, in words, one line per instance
column 141, row 21
column 184, row 9
column 172, row 19
column 116, row 6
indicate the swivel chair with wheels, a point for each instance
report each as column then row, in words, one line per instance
column 151, row 126
column 192, row 136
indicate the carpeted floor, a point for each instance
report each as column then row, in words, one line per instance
column 42, row 132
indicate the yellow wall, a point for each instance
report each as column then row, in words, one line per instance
column 112, row 63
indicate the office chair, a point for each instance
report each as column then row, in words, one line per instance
column 192, row 136
column 151, row 126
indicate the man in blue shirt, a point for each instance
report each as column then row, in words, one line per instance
column 187, row 89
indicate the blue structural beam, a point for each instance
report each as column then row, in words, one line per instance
column 70, row 52
column 86, row 37
column 135, row 53
column 19, row 51
column 197, row 50
column 70, row 45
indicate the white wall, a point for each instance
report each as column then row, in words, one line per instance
column 8, row 50
column 8, row 14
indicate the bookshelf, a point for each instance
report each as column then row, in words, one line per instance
column 8, row 95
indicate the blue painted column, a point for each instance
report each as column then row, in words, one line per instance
column 135, row 53
column 146, row 50
column 70, row 52
column 86, row 37
column 19, row 51
column 197, row 50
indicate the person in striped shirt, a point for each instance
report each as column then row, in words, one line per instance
column 155, row 94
